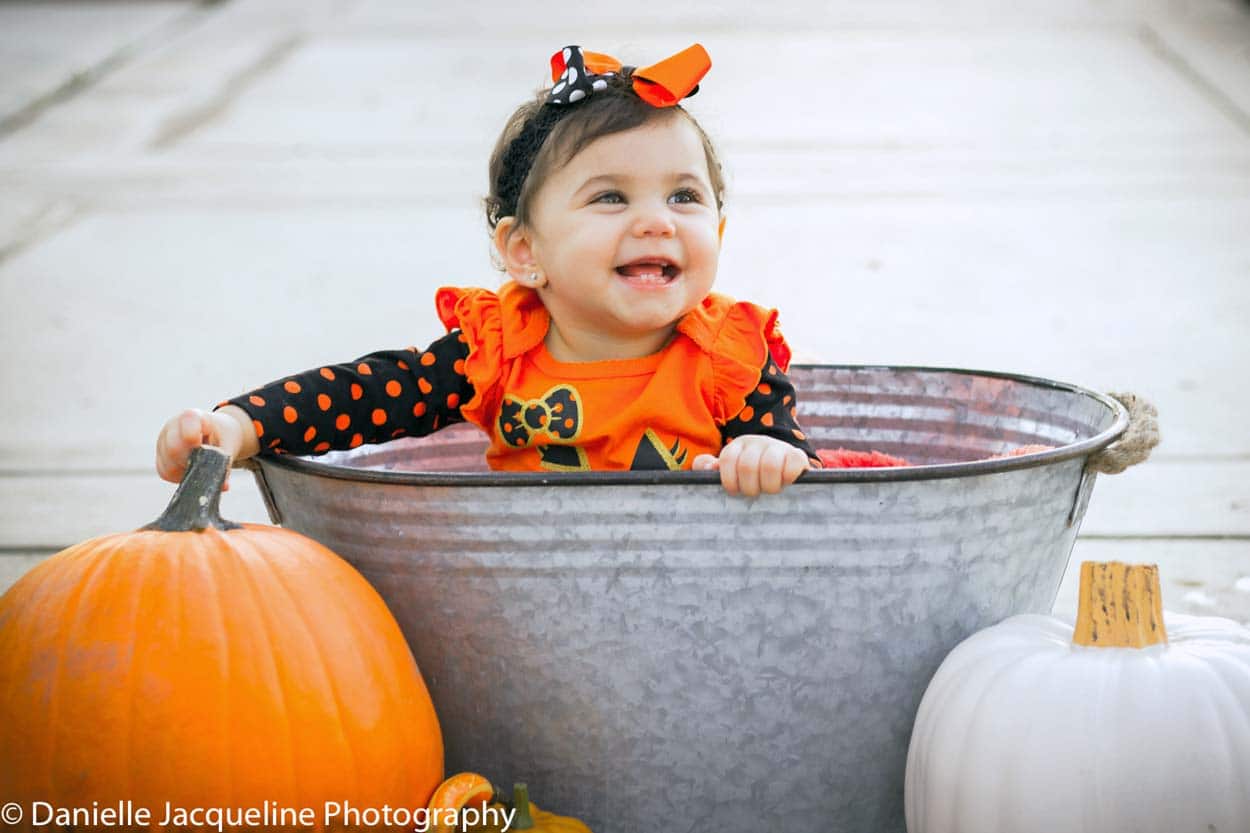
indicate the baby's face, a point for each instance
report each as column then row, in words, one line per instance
column 626, row 234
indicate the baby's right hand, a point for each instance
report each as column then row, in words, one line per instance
column 188, row 431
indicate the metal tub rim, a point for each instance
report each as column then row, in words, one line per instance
column 972, row 468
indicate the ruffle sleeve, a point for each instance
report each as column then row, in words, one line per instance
column 497, row 328
column 740, row 338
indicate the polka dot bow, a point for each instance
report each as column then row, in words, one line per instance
column 557, row 415
column 578, row 73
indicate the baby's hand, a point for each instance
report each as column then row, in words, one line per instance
column 188, row 431
column 753, row 463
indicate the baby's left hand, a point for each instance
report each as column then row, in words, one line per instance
column 753, row 463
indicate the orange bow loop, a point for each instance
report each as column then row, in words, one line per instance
column 665, row 83
column 599, row 64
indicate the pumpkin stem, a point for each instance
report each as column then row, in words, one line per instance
column 521, row 802
column 196, row 503
column 1120, row 606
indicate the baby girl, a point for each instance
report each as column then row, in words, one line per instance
column 605, row 349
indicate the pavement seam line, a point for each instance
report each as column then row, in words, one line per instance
column 1147, row 537
column 53, row 218
column 179, row 126
column 1205, row 87
column 85, row 79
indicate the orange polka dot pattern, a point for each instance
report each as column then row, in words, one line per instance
column 770, row 410
column 378, row 397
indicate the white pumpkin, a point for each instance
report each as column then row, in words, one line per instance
column 1114, row 725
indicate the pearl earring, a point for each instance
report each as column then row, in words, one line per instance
column 537, row 280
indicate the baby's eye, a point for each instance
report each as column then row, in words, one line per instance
column 686, row 195
column 610, row 197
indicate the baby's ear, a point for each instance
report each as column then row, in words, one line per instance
column 720, row 234
column 513, row 246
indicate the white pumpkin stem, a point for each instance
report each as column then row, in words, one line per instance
column 1121, row 606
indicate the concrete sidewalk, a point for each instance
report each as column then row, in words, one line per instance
column 197, row 198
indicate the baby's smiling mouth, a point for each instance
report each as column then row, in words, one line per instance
column 649, row 271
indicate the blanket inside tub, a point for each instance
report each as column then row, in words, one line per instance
column 847, row 458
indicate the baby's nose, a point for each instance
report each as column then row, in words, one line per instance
column 654, row 223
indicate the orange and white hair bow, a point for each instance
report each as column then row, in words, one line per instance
column 577, row 73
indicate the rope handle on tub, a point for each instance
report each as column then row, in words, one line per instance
column 1135, row 444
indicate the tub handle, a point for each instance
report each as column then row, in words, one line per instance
column 1135, row 445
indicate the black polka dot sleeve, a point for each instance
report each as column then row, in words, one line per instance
column 771, row 410
column 378, row 397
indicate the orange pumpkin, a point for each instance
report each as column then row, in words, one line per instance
column 208, row 664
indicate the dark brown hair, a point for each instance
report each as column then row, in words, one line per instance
column 612, row 110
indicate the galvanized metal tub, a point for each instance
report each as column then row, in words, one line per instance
column 650, row 653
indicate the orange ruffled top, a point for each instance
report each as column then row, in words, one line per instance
column 546, row 415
